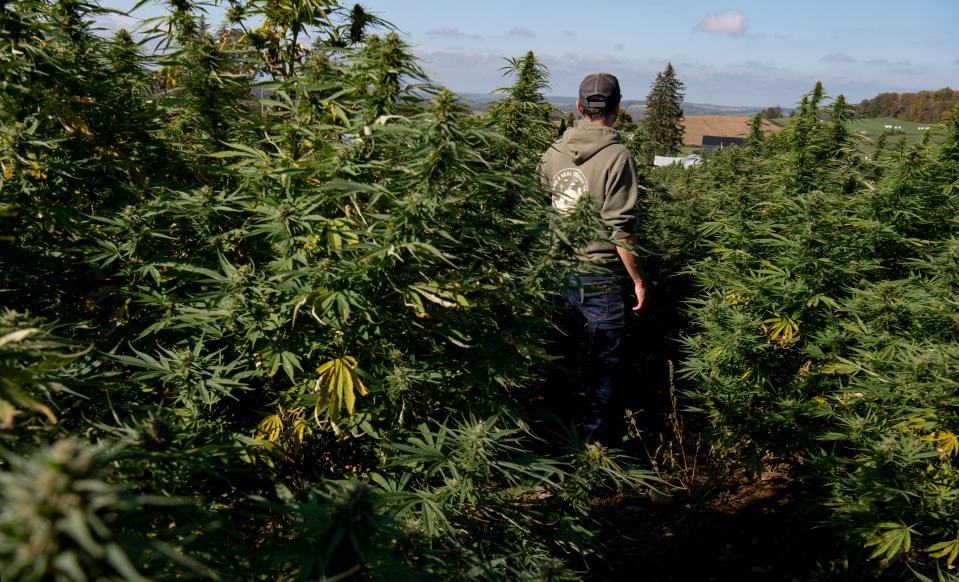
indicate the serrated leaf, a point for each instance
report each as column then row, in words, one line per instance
column 948, row 549
column 896, row 539
column 336, row 387
column 17, row 336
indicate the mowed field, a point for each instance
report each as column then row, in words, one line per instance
column 871, row 128
column 696, row 126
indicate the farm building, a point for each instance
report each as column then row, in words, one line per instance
column 719, row 126
column 711, row 142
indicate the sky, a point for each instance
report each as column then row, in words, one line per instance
column 749, row 53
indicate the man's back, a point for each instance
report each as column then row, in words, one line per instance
column 590, row 160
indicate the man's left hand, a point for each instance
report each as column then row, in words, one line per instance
column 640, row 290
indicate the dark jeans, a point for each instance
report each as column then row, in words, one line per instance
column 593, row 317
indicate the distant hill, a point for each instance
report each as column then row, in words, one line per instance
column 635, row 107
column 921, row 107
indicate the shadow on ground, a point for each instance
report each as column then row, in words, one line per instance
column 750, row 532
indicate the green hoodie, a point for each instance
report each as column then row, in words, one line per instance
column 590, row 159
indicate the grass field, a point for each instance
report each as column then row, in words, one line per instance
column 871, row 128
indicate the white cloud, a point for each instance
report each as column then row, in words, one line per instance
column 107, row 23
column 449, row 32
column 899, row 66
column 521, row 31
column 909, row 70
column 888, row 63
column 746, row 82
column 732, row 23
column 839, row 57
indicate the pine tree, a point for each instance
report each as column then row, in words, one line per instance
column 664, row 111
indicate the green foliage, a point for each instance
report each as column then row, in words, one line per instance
column 56, row 517
column 770, row 113
column 923, row 107
column 297, row 293
column 522, row 117
column 479, row 476
column 30, row 368
column 664, row 112
column 271, row 268
column 824, row 327
column 339, row 531
column 635, row 139
column 756, row 134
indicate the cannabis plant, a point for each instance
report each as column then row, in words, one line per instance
column 824, row 327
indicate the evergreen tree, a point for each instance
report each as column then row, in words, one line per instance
column 664, row 111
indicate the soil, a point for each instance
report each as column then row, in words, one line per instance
column 697, row 126
column 749, row 531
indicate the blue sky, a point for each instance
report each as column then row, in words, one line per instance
column 755, row 52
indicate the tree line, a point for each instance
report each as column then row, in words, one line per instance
column 921, row 107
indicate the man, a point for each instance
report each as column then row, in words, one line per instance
column 590, row 161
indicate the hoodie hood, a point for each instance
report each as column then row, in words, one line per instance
column 586, row 140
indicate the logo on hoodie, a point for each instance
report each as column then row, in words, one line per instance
column 568, row 185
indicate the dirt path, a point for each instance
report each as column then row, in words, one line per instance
column 752, row 532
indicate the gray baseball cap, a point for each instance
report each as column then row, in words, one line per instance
column 599, row 90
